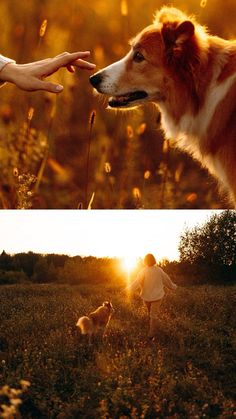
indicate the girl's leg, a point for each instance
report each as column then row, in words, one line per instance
column 148, row 305
column 154, row 316
column 153, row 327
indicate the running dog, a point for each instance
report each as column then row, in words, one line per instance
column 98, row 319
column 191, row 76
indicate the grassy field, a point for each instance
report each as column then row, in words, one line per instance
column 187, row 373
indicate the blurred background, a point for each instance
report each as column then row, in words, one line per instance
column 69, row 151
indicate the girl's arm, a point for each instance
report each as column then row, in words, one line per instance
column 167, row 281
column 4, row 61
column 136, row 283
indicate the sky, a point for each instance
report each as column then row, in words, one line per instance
column 98, row 233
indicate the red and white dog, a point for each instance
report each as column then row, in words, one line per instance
column 191, row 76
column 98, row 319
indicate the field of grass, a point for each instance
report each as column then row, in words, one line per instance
column 187, row 373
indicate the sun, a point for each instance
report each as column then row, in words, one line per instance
column 129, row 262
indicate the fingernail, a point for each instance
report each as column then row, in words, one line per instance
column 59, row 88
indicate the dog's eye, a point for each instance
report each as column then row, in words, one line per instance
column 138, row 57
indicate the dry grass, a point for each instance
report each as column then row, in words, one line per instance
column 187, row 373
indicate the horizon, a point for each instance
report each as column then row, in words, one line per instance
column 112, row 234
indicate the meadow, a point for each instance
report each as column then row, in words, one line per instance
column 50, row 156
column 187, row 373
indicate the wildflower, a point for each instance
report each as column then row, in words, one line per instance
column 91, row 201
column 165, row 147
column 136, row 193
column 15, row 172
column 24, row 383
column 107, row 167
column 178, row 173
column 130, row 131
column 203, row 3
column 53, row 111
column 147, row 174
column 30, row 114
column 191, row 197
column 124, row 7
column 20, row 179
column 141, row 128
column 43, row 28
column 16, row 402
column 8, row 412
column 92, row 117
column 25, row 183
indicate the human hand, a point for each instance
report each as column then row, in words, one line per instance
column 30, row 76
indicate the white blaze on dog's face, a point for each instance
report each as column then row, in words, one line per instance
column 139, row 76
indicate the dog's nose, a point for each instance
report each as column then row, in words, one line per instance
column 96, row 79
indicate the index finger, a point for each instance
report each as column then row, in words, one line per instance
column 84, row 64
column 73, row 55
column 63, row 60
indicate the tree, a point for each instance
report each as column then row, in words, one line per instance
column 26, row 262
column 5, row 261
column 40, row 270
column 12, row 277
column 211, row 246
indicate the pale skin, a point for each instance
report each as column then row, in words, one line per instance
column 30, row 76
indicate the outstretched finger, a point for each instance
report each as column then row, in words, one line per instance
column 84, row 64
column 72, row 56
column 65, row 60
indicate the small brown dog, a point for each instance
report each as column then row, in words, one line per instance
column 98, row 319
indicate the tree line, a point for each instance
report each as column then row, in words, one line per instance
column 39, row 268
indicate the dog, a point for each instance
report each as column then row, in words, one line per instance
column 191, row 76
column 98, row 319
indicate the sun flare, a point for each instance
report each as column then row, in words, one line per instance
column 129, row 262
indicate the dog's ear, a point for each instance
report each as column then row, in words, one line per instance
column 176, row 38
column 107, row 304
column 184, row 32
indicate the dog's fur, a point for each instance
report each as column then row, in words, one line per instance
column 191, row 76
column 98, row 319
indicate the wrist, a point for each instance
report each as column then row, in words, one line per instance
column 9, row 72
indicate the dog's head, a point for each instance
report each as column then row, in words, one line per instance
column 109, row 306
column 157, row 55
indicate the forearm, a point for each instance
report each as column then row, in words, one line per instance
column 4, row 62
column 134, row 285
column 9, row 72
column 167, row 282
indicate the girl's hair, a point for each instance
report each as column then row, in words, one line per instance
column 149, row 260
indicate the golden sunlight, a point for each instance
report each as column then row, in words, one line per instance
column 129, row 262
column 128, row 265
